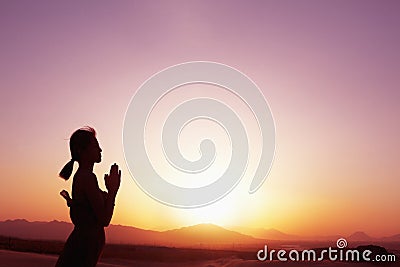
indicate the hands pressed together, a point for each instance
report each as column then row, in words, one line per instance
column 112, row 182
column 113, row 179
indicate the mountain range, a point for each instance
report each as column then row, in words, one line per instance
column 196, row 235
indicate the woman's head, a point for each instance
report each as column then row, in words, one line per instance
column 84, row 147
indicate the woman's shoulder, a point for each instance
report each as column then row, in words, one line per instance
column 85, row 177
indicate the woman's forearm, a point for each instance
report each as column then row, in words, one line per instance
column 109, row 208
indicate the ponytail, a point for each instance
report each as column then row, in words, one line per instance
column 78, row 142
column 66, row 172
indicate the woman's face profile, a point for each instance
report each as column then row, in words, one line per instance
column 93, row 151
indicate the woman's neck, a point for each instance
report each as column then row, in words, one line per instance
column 86, row 166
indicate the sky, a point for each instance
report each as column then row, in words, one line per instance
column 328, row 69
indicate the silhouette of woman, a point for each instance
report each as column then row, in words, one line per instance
column 91, row 209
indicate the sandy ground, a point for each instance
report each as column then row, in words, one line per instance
column 24, row 259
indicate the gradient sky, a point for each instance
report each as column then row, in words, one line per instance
column 329, row 70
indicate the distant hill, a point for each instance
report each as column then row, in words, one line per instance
column 21, row 228
column 202, row 234
column 360, row 236
column 197, row 235
column 273, row 234
column 268, row 234
column 120, row 234
column 207, row 234
column 393, row 238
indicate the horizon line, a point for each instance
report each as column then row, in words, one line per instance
column 228, row 228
